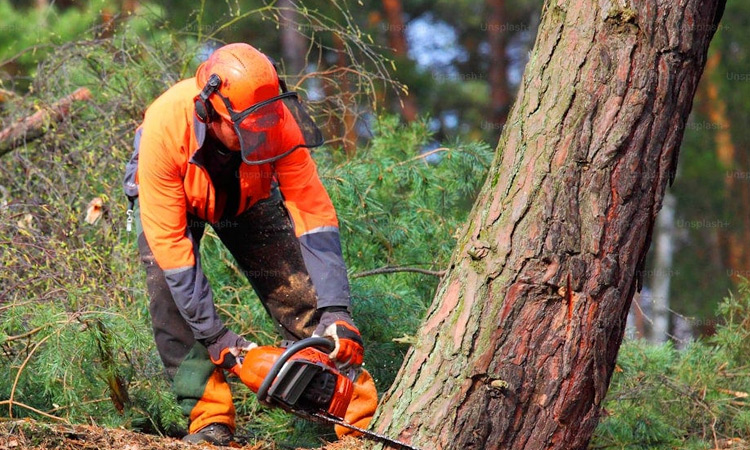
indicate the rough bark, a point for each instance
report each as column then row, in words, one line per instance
column 34, row 126
column 517, row 350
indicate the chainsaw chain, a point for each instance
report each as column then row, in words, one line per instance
column 329, row 419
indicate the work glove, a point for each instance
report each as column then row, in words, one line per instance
column 225, row 349
column 336, row 323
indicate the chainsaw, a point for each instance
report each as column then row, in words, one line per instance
column 302, row 379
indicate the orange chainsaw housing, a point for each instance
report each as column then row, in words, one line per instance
column 308, row 380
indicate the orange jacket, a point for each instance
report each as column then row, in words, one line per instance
column 171, row 184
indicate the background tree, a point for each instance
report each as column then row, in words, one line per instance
column 713, row 184
column 519, row 346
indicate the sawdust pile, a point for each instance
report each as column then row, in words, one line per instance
column 32, row 435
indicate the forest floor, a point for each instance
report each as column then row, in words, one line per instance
column 33, row 435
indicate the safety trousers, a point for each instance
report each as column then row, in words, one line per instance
column 263, row 243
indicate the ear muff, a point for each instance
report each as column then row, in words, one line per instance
column 203, row 108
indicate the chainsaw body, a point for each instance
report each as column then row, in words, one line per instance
column 303, row 379
column 300, row 377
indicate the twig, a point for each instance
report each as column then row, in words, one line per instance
column 20, row 370
column 25, row 335
column 322, row 73
column 25, row 362
column 689, row 392
column 14, row 305
column 87, row 402
column 423, row 155
column 30, row 408
column 383, row 270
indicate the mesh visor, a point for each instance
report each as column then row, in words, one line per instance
column 275, row 128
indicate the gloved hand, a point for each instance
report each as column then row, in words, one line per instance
column 336, row 323
column 225, row 349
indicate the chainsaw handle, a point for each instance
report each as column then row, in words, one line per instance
column 320, row 342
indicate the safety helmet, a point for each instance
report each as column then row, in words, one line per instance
column 240, row 84
column 248, row 77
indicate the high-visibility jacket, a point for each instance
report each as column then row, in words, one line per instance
column 171, row 184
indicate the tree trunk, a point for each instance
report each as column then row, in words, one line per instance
column 347, row 101
column 517, row 350
column 293, row 45
column 498, row 78
column 397, row 41
column 636, row 317
column 661, row 276
column 734, row 239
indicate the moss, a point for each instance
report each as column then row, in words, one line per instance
column 622, row 19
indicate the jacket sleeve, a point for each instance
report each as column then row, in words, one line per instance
column 316, row 227
column 164, row 218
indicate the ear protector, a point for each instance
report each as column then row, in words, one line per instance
column 204, row 110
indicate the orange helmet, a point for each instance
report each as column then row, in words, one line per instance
column 240, row 84
column 247, row 78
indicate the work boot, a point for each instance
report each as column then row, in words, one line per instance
column 216, row 434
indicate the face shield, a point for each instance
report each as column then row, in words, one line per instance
column 273, row 128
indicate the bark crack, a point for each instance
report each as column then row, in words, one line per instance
column 560, row 14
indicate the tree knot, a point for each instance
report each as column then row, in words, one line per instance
column 499, row 384
column 478, row 249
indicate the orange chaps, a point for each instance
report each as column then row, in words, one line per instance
column 362, row 407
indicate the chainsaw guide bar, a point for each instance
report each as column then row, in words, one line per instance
column 371, row 435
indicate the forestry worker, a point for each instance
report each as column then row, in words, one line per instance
column 229, row 148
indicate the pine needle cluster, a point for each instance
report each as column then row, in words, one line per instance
column 696, row 398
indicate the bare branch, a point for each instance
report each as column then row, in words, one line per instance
column 32, row 127
column 22, row 405
column 25, row 335
column 384, row 270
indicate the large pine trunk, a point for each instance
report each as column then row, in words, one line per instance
column 518, row 347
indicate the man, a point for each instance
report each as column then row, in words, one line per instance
column 229, row 148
